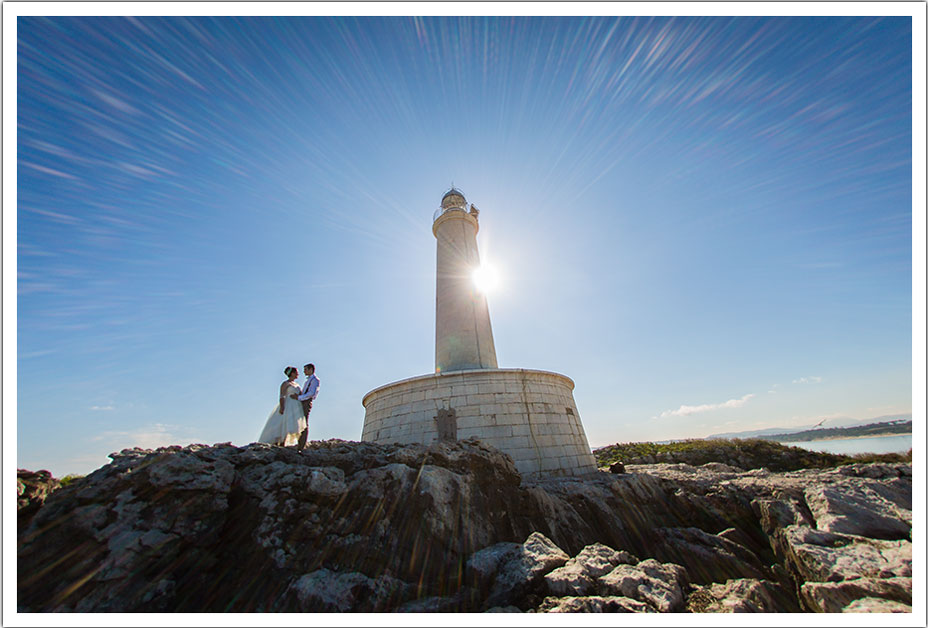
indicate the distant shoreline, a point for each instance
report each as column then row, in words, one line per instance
column 812, row 440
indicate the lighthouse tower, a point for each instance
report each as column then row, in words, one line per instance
column 463, row 336
column 528, row 414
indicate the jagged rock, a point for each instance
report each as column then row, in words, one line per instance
column 660, row 585
column 577, row 577
column 820, row 556
column 523, row 568
column 32, row 489
column 617, row 467
column 743, row 595
column 327, row 591
column 876, row 605
column 593, row 604
column 834, row 597
column 504, row 609
column 418, row 528
column 858, row 509
column 711, row 558
column 780, row 511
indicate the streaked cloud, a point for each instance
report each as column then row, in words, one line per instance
column 808, row 380
column 101, row 408
column 145, row 437
column 685, row 410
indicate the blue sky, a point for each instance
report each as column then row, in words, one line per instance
column 705, row 222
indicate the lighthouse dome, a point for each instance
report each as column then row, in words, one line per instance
column 453, row 198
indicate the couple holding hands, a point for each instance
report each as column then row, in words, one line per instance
column 288, row 423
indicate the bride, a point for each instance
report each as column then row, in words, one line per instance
column 287, row 420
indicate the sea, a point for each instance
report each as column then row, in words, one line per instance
column 848, row 446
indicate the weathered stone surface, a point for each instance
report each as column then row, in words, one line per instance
column 834, row 597
column 711, row 558
column 826, row 557
column 737, row 596
column 327, row 591
column 32, row 489
column 537, row 556
column 444, row 528
column 858, row 509
column 578, row 575
column 660, row 585
column 876, row 605
column 593, row 604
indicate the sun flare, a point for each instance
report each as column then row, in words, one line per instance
column 485, row 278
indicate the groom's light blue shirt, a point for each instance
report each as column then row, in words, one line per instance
column 310, row 388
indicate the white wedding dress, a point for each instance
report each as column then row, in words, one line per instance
column 285, row 429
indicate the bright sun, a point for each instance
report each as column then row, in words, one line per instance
column 485, row 278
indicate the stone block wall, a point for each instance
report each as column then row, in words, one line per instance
column 531, row 415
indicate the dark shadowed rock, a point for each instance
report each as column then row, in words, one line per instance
column 32, row 489
column 711, row 558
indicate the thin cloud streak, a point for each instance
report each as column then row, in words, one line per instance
column 706, row 407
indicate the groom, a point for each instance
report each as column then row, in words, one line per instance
column 310, row 390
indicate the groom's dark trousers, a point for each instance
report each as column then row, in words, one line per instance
column 307, row 406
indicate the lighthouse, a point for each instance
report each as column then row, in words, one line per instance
column 528, row 414
column 463, row 336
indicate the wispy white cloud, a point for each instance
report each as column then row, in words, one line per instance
column 706, row 407
column 101, row 408
column 145, row 437
column 808, row 380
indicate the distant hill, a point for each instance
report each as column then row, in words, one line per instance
column 838, row 422
column 871, row 429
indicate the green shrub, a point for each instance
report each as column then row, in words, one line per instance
column 749, row 453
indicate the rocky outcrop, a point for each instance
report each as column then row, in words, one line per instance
column 32, row 489
column 360, row 527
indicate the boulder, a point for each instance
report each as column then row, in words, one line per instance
column 708, row 557
column 743, row 595
column 527, row 566
column 834, row 597
column 452, row 528
column 876, row 605
column 856, row 508
column 660, row 585
column 327, row 591
column 32, row 489
column 593, row 604
column 578, row 575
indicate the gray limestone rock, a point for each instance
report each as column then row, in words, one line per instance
column 577, row 577
column 661, row 585
column 362, row 526
column 327, row 591
column 820, row 556
column 858, row 509
column 593, row 604
column 743, row 595
column 709, row 557
column 876, row 605
column 536, row 557
column 833, row 597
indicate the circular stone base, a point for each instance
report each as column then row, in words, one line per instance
column 530, row 415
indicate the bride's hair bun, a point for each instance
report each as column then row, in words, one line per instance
column 289, row 370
